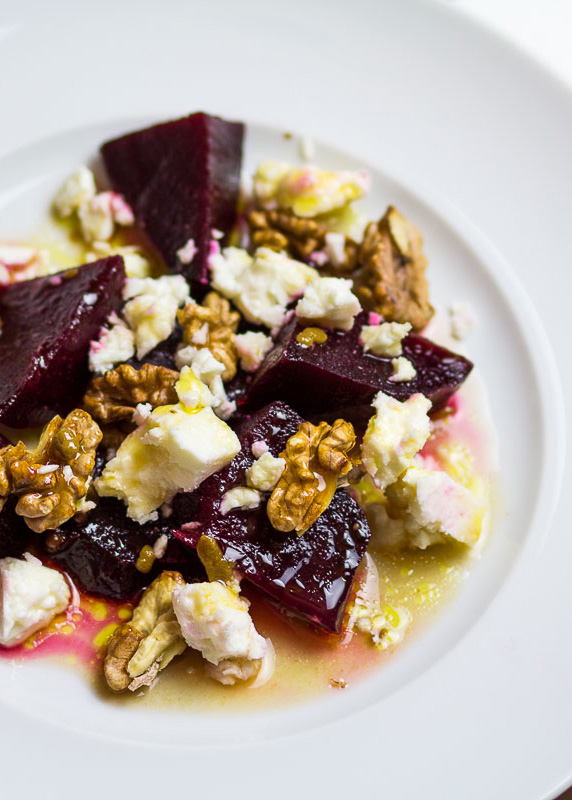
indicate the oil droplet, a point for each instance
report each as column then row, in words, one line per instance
column 310, row 336
column 99, row 611
column 105, row 634
column 125, row 612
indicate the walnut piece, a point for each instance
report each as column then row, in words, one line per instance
column 50, row 480
column 212, row 325
column 392, row 280
column 317, row 456
column 298, row 237
column 112, row 398
column 149, row 641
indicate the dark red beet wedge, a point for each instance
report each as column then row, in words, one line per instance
column 14, row 533
column 310, row 575
column 182, row 180
column 100, row 550
column 337, row 377
column 47, row 325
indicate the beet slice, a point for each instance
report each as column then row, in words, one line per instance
column 310, row 575
column 182, row 180
column 99, row 550
column 14, row 533
column 337, row 377
column 47, row 325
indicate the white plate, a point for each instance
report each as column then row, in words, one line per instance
column 472, row 141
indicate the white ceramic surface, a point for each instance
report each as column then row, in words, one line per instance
column 472, row 141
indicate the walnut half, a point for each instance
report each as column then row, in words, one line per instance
column 212, row 325
column 392, row 280
column 145, row 645
column 317, row 456
column 51, row 479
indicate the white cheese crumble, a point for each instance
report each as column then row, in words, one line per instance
column 462, row 319
column 307, row 191
column 335, row 248
column 209, row 371
column 175, row 449
column 160, row 546
column 265, row 472
column 30, row 597
column 394, row 435
column 78, row 189
column 403, row 370
column 251, row 347
column 258, row 448
column 151, row 308
column 239, row 497
column 136, row 265
column 215, row 620
column 329, row 302
column 115, row 344
column 187, row 252
column 261, row 286
column 434, row 508
column 384, row 339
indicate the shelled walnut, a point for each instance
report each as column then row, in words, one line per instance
column 212, row 325
column 317, row 456
column 112, row 398
column 145, row 645
column 50, row 480
column 392, row 278
column 302, row 238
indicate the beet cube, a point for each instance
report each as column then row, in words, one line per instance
column 337, row 377
column 310, row 575
column 47, row 325
column 101, row 552
column 14, row 533
column 182, row 180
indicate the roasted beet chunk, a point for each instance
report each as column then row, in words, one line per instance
column 182, row 179
column 100, row 552
column 14, row 533
column 337, row 376
column 310, row 575
column 47, row 325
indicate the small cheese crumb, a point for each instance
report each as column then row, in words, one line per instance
column 384, row 339
column 265, row 472
column 78, row 189
column 115, row 345
column 151, row 308
column 240, row 497
column 462, row 319
column 160, row 546
column 329, row 302
column 187, row 252
column 251, row 347
column 335, row 248
column 258, row 448
column 403, row 370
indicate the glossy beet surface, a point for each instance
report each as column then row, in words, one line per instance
column 337, row 376
column 47, row 325
column 14, row 533
column 182, row 180
column 100, row 550
column 310, row 575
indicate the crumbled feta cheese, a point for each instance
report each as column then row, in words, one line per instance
column 434, row 508
column 115, row 344
column 394, row 435
column 78, row 189
column 160, row 546
column 136, row 265
column 335, row 248
column 208, row 370
column 201, row 336
column 307, row 191
column 239, row 497
column 22, row 263
column 258, row 448
column 187, row 252
column 215, row 620
column 99, row 215
column 329, row 302
column 462, row 319
column 151, row 308
column 67, row 473
column 30, row 597
column 175, row 449
column 261, row 287
column 384, row 339
column 216, row 234
column 265, row 472
column 45, row 469
column 403, row 370
column 251, row 347
column 142, row 411
column 384, row 623
column 90, row 299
